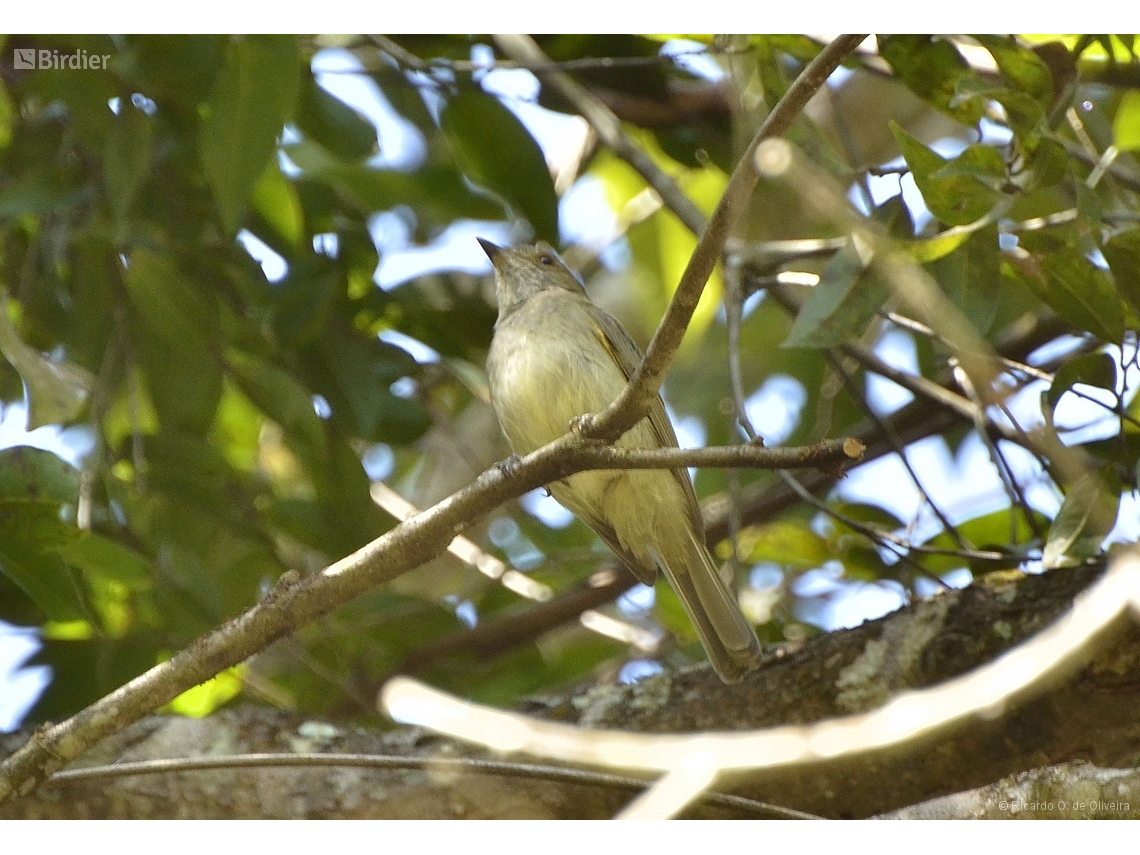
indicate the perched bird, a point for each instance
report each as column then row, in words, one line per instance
column 556, row 356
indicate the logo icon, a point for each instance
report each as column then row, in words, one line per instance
column 25, row 58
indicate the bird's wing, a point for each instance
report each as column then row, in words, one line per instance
column 602, row 528
column 627, row 356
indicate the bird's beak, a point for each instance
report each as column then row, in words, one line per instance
column 493, row 251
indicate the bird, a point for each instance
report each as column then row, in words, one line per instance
column 554, row 357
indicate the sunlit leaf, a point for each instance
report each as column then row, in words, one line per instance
column 1126, row 125
column 1020, row 66
column 1086, row 517
column 56, row 391
column 276, row 203
column 955, row 196
column 280, row 397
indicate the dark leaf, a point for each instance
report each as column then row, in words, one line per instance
column 251, row 101
column 1122, row 251
column 496, row 152
column 327, row 120
column 841, row 305
column 1091, row 369
column 932, row 68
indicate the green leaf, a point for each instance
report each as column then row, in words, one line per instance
column 250, row 103
column 954, row 195
column 7, row 116
column 971, row 277
column 184, row 380
column 55, row 391
column 496, row 152
column 1086, row 517
column 186, row 465
column 276, row 204
column 1126, row 124
column 437, row 194
column 1004, row 531
column 790, row 543
column 1092, row 369
column 327, row 120
column 931, row 67
column 100, row 556
column 841, row 305
column 176, row 71
column 177, row 341
column 33, row 486
column 350, row 518
column 127, row 159
column 362, row 373
column 1003, row 526
column 863, row 512
column 168, row 302
column 1072, row 286
column 1122, row 252
column 980, row 161
column 1020, row 67
column 1025, row 115
column 279, row 395
column 32, row 475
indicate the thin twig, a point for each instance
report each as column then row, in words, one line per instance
column 608, row 127
column 635, row 399
column 733, row 313
column 492, row 637
column 899, row 449
column 469, row 765
column 890, row 541
column 403, row 57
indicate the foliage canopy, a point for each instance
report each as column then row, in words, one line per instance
column 235, row 419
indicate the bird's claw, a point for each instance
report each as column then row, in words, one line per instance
column 510, row 465
column 582, row 423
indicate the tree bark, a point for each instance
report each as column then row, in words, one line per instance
column 1088, row 713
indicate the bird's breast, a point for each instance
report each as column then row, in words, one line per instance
column 545, row 368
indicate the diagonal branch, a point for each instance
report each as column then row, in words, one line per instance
column 294, row 602
column 607, row 126
column 646, row 381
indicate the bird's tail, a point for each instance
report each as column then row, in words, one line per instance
column 726, row 635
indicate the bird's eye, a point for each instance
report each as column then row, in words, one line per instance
column 545, row 259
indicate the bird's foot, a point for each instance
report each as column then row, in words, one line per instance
column 581, row 424
column 510, row 465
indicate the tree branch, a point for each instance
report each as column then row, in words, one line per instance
column 634, row 401
column 293, row 603
column 607, row 126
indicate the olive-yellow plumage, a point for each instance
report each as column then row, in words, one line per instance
column 556, row 356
